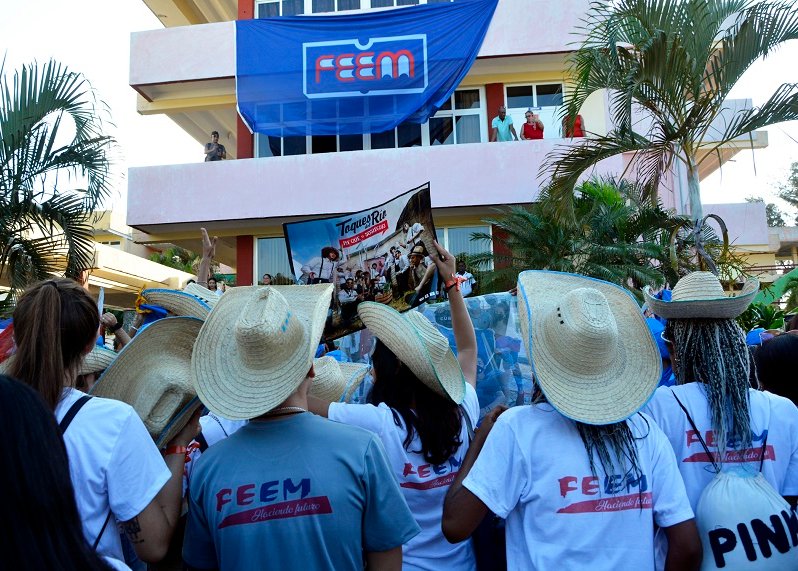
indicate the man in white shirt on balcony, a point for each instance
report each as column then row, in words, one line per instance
column 502, row 127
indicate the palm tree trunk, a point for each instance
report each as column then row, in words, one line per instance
column 694, row 192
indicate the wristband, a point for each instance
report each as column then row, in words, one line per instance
column 115, row 328
column 172, row 450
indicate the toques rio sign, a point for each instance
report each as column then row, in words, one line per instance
column 382, row 66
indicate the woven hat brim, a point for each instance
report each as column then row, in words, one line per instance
column 177, row 302
column 203, row 293
column 403, row 339
column 329, row 383
column 178, row 422
column 223, row 382
column 156, row 362
column 98, row 359
column 354, row 373
column 596, row 397
column 718, row 308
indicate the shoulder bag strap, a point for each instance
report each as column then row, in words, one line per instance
column 698, row 433
column 764, row 449
column 63, row 425
column 469, row 426
column 73, row 410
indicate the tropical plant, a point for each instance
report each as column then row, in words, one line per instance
column 55, row 169
column 617, row 235
column 788, row 192
column 791, row 291
column 177, row 258
column 669, row 66
column 761, row 315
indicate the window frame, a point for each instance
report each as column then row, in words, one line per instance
column 534, row 85
column 258, row 271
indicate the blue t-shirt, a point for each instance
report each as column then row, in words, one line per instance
column 300, row 492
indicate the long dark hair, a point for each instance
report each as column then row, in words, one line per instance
column 777, row 364
column 54, row 322
column 39, row 518
column 436, row 419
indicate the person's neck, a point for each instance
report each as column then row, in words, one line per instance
column 293, row 405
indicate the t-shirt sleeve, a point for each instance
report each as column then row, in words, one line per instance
column 387, row 521
column 493, row 122
column 789, row 415
column 499, row 476
column 367, row 416
column 136, row 472
column 198, row 546
column 509, row 120
column 671, row 504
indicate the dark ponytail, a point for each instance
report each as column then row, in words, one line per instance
column 436, row 419
column 54, row 322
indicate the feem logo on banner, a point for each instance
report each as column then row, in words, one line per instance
column 381, row 66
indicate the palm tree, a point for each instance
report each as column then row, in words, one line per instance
column 616, row 234
column 55, row 166
column 672, row 63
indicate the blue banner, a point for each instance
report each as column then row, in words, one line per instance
column 355, row 73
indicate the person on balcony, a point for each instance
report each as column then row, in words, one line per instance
column 575, row 129
column 502, row 126
column 215, row 151
column 533, row 128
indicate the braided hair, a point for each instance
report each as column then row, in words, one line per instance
column 714, row 352
column 613, row 445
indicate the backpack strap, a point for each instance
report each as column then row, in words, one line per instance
column 203, row 444
column 762, row 455
column 102, row 531
column 698, row 433
column 73, row 410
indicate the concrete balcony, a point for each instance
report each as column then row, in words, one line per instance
column 253, row 193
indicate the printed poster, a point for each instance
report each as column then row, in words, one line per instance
column 379, row 254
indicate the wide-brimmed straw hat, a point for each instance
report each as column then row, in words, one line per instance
column 153, row 373
column 418, row 344
column 257, row 346
column 208, row 296
column 334, row 380
column 699, row 295
column 178, row 422
column 96, row 360
column 590, row 349
column 176, row 302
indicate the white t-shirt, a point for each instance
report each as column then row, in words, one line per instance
column 414, row 234
column 770, row 414
column 467, row 286
column 424, row 486
column 534, row 471
column 113, row 462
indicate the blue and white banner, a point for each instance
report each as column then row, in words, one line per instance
column 355, row 73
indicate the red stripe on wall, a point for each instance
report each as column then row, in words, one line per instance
column 245, row 258
column 246, row 9
column 494, row 98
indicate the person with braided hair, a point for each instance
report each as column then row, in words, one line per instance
column 582, row 479
column 741, row 426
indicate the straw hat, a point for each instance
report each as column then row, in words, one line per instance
column 257, row 346
column 700, row 295
column 178, row 302
column 152, row 373
column 590, row 349
column 419, row 345
column 334, row 380
column 96, row 360
column 206, row 295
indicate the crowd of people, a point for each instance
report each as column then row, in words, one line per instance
column 218, row 438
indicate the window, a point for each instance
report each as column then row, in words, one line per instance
column 113, row 243
column 459, row 120
column 272, row 258
column 274, row 8
column 321, row 6
column 457, row 239
column 544, row 98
